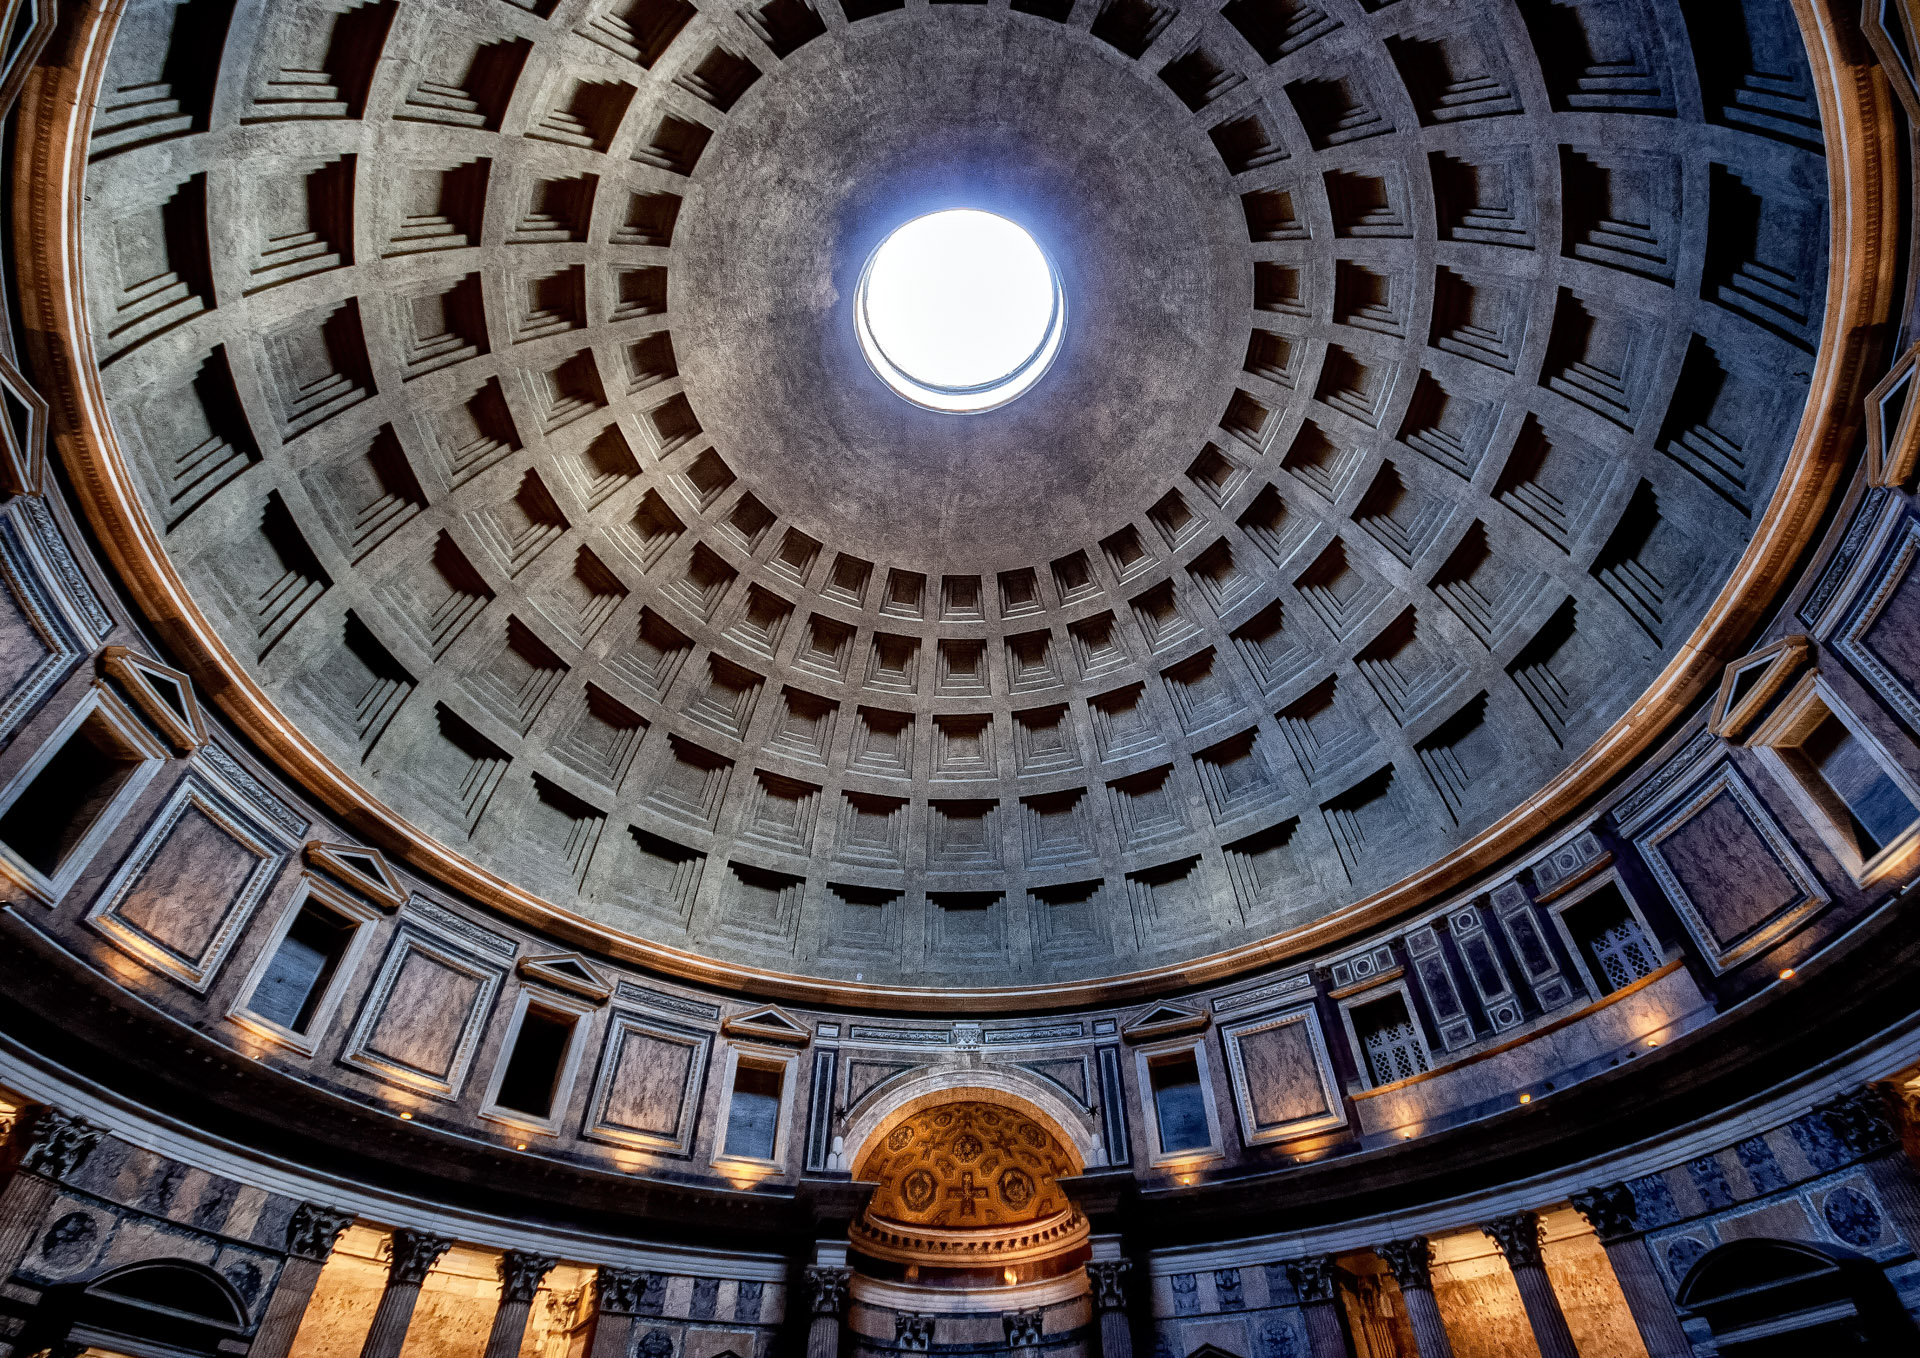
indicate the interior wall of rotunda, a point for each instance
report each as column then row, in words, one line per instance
column 1400, row 846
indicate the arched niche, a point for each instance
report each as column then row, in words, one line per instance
column 1766, row 1298
column 157, row 1308
column 1076, row 1129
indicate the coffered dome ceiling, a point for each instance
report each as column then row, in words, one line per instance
column 510, row 467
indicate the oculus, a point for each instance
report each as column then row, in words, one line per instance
column 959, row 311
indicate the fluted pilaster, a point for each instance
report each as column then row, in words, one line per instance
column 311, row 1235
column 1314, row 1283
column 1108, row 1279
column 827, row 1302
column 520, row 1275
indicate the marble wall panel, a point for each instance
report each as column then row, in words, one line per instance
column 181, row 897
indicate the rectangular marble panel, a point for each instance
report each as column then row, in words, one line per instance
column 1283, row 1082
column 181, row 897
column 1731, row 873
column 1282, row 1075
column 649, row 1084
column 424, row 1014
column 1881, row 632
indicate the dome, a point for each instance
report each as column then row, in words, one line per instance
column 504, row 436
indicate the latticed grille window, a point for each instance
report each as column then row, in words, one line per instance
column 1624, row 953
column 1391, row 1042
column 1617, row 950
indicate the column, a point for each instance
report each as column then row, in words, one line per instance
column 414, row 1252
column 1411, row 1261
column 827, row 1303
column 311, row 1235
column 1868, row 1121
column 617, row 1294
column 1611, row 1213
column 1518, row 1238
column 43, row 1147
column 1313, row 1283
column 520, row 1275
column 1109, row 1280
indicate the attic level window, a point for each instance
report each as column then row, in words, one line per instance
column 1860, row 802
column 1179, row 1107
column 1615, row 948
column 533, row 1067
column 296, row 980
column 753, row 1116
column 959, row 311
column 1837, row 767
column 67, row 796
column 1389, row 1039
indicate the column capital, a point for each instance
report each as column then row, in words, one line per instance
column 521, row 1272
column 827, row 1289
column 1109, row 1279
column 912, row 1333
column 1518, row 1238
column 1410, row 1261
column 1863, row 1119
column 1313, row 1277
column 313, row 1231
column 1023, row 1328
column 45, row 1141
column 1609, row 1209
column 618, row 1291
column 414, row 1253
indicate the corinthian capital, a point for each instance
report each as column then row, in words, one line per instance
column 1518, row 1238
column 521, row 1272
column 414, row 1252
column 827, row 1290
column 314, row 1230
column 1313, row 1277
column 50, row 1143
column 1411, row 1261
column 1109, row 1279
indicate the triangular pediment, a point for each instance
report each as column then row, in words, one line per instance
column 567, row 971
column 768, row 1023
column 365, row 870
column 1164, row 1020
column 1751, row 685
column 164, row 696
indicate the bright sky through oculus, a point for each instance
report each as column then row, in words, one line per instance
column 959, row 310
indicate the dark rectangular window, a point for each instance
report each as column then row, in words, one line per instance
column 1179, row 1106
column 753, row 1117
column 57, row 808
column 1859, row 794
column 533, row 1066
column 302, row 967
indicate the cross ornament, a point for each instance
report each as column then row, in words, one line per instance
column 967, row 1193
